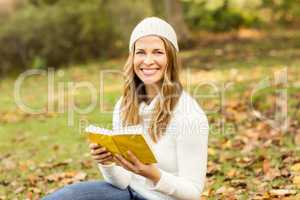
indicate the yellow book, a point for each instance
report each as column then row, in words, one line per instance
column 120, row 141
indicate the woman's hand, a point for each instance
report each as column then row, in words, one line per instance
column 134, row 165
column 100, row 154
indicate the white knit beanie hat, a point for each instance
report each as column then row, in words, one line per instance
column 153, row 26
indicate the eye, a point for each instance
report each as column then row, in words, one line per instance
column 159, row 52
column 139, row 52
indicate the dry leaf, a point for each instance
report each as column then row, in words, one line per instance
column 296, row 167
column 3, row 197
column 211, row 151
column 239, row 183
column 266, row 166
column 231, row 173
column 8, row 164
column 80, row 176
column 20, row 189
column 67, row 177
column 282, row 192
column 33, row 179
column 297, row 138
column 221, row 190
column 296, row 181
column 86, row 164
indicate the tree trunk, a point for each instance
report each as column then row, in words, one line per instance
column 158, row 8
column 174, row 16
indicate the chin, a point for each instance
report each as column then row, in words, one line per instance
column 149, row 82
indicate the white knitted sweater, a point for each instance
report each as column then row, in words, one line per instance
column 181, row 154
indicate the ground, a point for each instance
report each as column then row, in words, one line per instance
column 246, row 85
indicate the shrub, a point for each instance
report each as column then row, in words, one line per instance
column 58, row 34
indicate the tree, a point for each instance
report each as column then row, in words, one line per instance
column 172, row 11
column 174, row 15
column 158, row 8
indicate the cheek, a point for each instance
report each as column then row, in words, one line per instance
column 163, row 63
column 137, row 62
column 135, row 70
column 135, row 65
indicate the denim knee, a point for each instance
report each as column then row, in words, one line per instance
column 92, row 190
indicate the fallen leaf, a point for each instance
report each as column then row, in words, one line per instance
column 211, row 151
column 87, row 164
column 3, row 198
column 282, row 192
column 51, row 165
column 297, row 138
column 221, row 190
column 266, row 166
column 20, row 189
column 33, row 179
column 238, row 183
column 66, row 177
column 225, row 190
column 4, row 183
column 231, row 173
column 296, row 181
column 80, row 176
column 296, row 167
column 8, row 164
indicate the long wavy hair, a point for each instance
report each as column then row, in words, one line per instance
column 134, row 93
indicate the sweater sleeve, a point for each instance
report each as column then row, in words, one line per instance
column 192, row 142
column 112, row 173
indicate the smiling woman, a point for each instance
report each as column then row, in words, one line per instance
column 150, row 59
column 173, row 123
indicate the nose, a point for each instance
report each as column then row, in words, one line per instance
column 148, row 60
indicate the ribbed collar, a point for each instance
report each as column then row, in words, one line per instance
column 146, row 109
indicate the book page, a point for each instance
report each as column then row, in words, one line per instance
column 137, row 145
column 102, row 137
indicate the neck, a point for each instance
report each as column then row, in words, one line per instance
column 152, row 91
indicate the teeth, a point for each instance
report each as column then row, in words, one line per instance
column 149, row 71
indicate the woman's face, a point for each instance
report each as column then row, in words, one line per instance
column 150, row 59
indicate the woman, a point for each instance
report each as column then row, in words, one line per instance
column 176, row 127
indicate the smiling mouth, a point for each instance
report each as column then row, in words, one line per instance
column 149, row 71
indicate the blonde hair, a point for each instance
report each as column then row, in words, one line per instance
column 134, row 93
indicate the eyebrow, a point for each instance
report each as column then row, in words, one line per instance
column 157, row 49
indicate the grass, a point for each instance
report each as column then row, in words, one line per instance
column 29, row 142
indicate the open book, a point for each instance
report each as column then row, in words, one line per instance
column 120, row 141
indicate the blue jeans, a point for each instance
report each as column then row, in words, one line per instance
column 94, row 190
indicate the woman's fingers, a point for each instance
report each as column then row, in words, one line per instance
column 125, row 163
column 132, row 158
column 104, row 160
column 94, row 146
column 98, row 151
column 119, row 163
column 101, row 156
